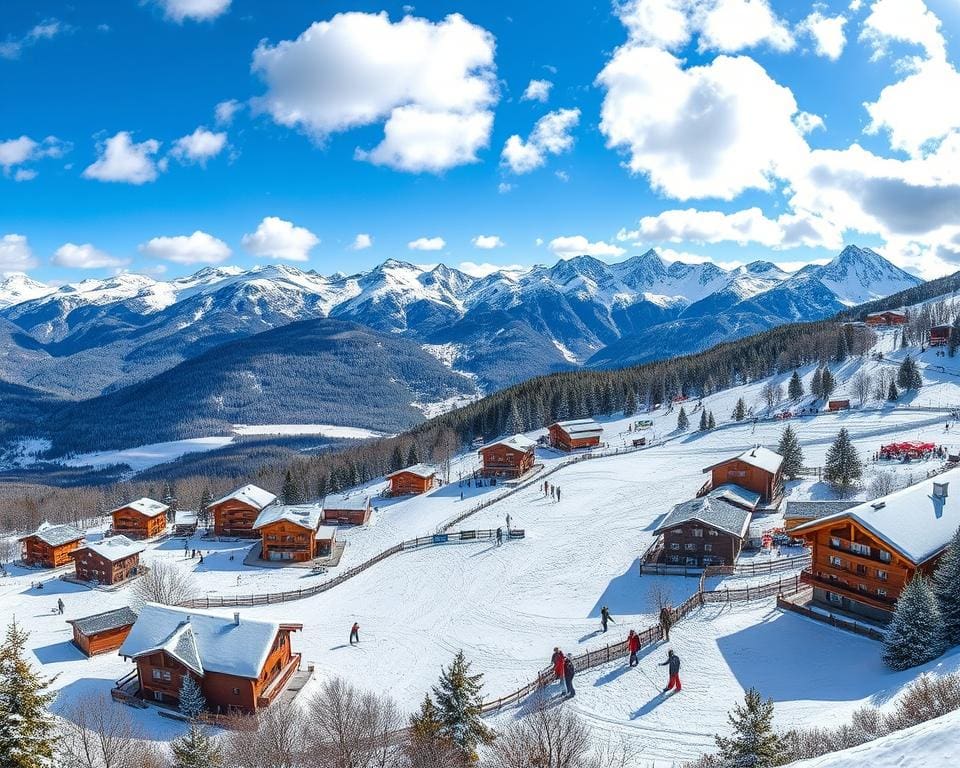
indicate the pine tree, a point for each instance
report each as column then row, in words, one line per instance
column 516, row 420
column 754, row 743
column 842, row 349
column 630, row 406
column 396, row 460
column 683, row 423
column 288, row 493
column 413, row 455
column 843, row 467
column 795, row 387
column 203, row 511
column 816, row 383
column 915, row 634
column 946, row 589
column 704, row 424
column 893, row 394
column 908, row 376
column 195, row 749
column 789, row 448
column 711, row 422
column 827, row 383
column 192, row 702
column 903, row 339
column 740, row 410
column 458, row 701
column 27, row 730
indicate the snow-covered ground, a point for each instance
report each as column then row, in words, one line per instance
column 146, row 456
column 320, row 430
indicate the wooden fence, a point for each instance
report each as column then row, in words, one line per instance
column 739, row 569
column 828, row 618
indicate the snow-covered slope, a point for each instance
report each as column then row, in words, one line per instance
column 859, row 275
column 17, row 288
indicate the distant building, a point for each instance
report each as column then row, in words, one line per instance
column 294, row 532
column 108, row 561
column 939, row 336
column 352, row 509
column 887, row 317
column 140, row 519
column 50, row 546
column 838, row 405
column 702, row 532
column 510, row 457
column 757, row 469
column 102, row 632
column 185, row 522
column 578, row 433
column 411, row 481
column 235, row 513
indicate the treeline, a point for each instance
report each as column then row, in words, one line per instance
column 911, row 296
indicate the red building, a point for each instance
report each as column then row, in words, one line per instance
column 347, row 509
column 413, row 480
column 294, row 532
column 140, row 519
column 702, row 532
column 50, row 546
column 510, row 457
column 108, row 561
column 887, row 317
column 578, row 433
column 838, row 405
column 235, row 513
column 758, row 469
column 939, row 336
column 102, row 632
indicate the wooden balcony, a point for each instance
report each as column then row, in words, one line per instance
column 873, row 558
column 848, row 590
column 276, row 686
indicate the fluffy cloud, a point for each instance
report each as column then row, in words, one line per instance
column 551, row 135
column 903, row 21
column 225, row 111
column 433, row 85
column 537, row 90
column 427, row 244
column 279, row 239
column 484, row 269
column 713, row 130
column 577, row 245
column 487, row 242
column 123, row 160
column 827, row 33
column 361, row 242
column 193, row 10
column 17, row 152
column 13, row 47
column 85, row 257
column 198, row 248
column 15, row 254
column 199, row 146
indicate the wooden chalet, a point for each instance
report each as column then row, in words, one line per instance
column 108, row 561
column 862, row 557
column 50, row 546
column 797, row 513
column 704, row 531
column 411, row 481
column 140, row 519
column 352, row 509
column 235, row 513
column 887, row 317
column 574, row 434
column 838, row 405
column 102, row 632
column 185, row 522
column 294, row 532
column 510, row 457
column 939, row 336
column 757, row 469
column 240, row 665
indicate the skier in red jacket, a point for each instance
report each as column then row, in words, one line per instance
column 633, row 645
column 558, row 663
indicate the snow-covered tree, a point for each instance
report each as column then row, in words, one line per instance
column 893, row 394
column 908, row 376
column 842, row 349
column 192, row 702
column 711, row 422
column 27, row 729
column 630, row 405
column 290, row 494
column 860, row 385
column 203, row 504
column 827, row 383
column 772, row 394
column 754, row 743
column 516, row 420
column 789, row 448
column 704, row 424
column 195, row 749
column 413, row 455
column 915, row 634
column 816, row 383
column 843, row 467
column 458, row 701
column 740, row 410
column 683, row 423
column 795, row 387
column 396, row 459
column 946, row 589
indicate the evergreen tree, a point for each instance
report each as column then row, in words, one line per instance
column 711, row 422
column 413, row 455
column 946, row 589
column 903, row 339
column 754, row 743
column 915, row 635
column 683, row 423
column 27, row 729
column 827, row 383
column 630, row 406
column 740, row 410
column 192, row 702
column 893, row 394
column 843, row 467
column 816, row 383
column 288, row 493
column 195, row 749
column 704, row 424
column 842, row 351
column 396, row 460
column 789, row 448
column 516, row 420
column 795, row 387
column 908, row 376
column 203, row 511
column 458, row 701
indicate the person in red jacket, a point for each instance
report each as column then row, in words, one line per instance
column 633, row 645
column 354, row 633
column 558, row 661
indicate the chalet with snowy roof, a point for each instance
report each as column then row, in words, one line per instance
column 510, row 457
column 50, row 546
column 704, row 531
column 734, row 494
column 185, row 522
column 102, row 632
column 140, row 519
column 240, row 664
column 411, row 481
column 862, row 557
column 348, row 509
column 887, row 317
column 108, row 561
column 294, row 532
column 235, row 513
column 939, row 336
column 574, row 434
column 757, row 469
column 799, row 512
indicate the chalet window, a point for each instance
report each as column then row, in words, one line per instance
column 861, row 570
column 673, row 559
column 236, row 691
column 881, row 592
column 835, row 561
column 713, row 533
column 882, row 575
column 885, row 556
column 690, row 547
column 736, row 473
column 675, row 545
column 708, row 547
column 835, row 542
column 860, row 549
column 691, row 561
column 156, row 674
column 833, row 597
column 167, row 677
column 698, row 533
column 158, row 695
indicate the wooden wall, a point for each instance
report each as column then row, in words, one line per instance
column 135, row 525
column 503, row 461
column 234, row 518
column 409, row 484
column 101, row 642
column 283, row 536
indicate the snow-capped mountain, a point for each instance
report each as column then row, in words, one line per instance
column 17, row 287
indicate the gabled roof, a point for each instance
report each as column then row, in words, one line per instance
column 146, row 507
column 251, row 495
column 712, row 512
column 582, row 427
column 420, row 470
column 205, row 641
column 56, row 535
column 341, row 501
column 104, row 622
column 517, row 442
column 758, row 456
column 911, row 521
column 736, row 495
column 305, row 515
column 887, row 312
column 114, row 548
column 814, row 510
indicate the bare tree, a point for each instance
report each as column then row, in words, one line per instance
column 881, row 383
column 883, row 484
column 165, row 583
column 660, row 598
column 860, row 385
column 96, row 733
column 772, row 394
column 273, row 738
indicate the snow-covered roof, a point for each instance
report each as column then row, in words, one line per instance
column 420, row 470
column 814, row 510
column 342, row 502
column 205, row 641
column 758, row 456
column 146, row 507
column 185, row 517
column 249, row 494
column 305, row 515
column 516, row 442
column 912, row 521
column 713, row 512
column 736, row 495
column 325, row 532
column 901, row 312
column 103, row 622
column 580, row 427
column 56, row 535
column 114, row 548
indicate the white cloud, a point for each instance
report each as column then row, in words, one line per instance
column 361, row 242
column 122, row 160
column 487, row 242
column 225, row 111
column 279, row 239
column 85, row 257
column 537, row 90
column 664, row 23
column 551, row 135
column 807, row 122
column 194, row 10
column 503, row 187
column 198, row 248
column 826, row 32
column 484, row 269
column 199, row 146
column 13, row 47
column 427, row 244
column 577, row 245
column 15, row 254
column 24, row 174
column 903, row 21
column 17, row 152
column 433, row 85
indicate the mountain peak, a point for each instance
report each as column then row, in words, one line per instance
column 857, row 275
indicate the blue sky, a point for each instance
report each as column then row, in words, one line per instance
column 728, row 129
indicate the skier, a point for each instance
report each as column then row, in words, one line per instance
column 633, row 645
column 201, row 558
column 558, row 494
column 60, row 605
column 355, row 633
column 499, row 536
column 673, row 667
column 508, row 523
column 557, row 661
column 568, row 671
column 605, row 617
